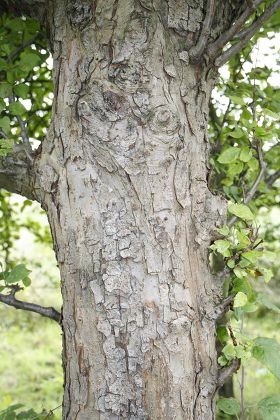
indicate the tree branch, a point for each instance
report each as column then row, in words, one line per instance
column 11, row 300
column 227, row 36
column 272, row 178
column 221, row 309
column 17, row 173
column 197, row 51
column 33, row 8
column 247, row 34
column 227, row 372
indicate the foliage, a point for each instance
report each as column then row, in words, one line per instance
column 245, row 168
column 25, row 81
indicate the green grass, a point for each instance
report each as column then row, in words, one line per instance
column 30, row 345
column 30, row 361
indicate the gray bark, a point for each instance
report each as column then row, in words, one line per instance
column 123, row 178
column 18, row 173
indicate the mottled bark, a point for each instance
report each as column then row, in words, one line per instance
column 18, row 173
column 123, row 178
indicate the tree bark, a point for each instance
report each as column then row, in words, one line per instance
column 123, row 178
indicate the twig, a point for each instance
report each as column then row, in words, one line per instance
column 217, row 143
column 197, row 50
column 24, row 135
column 49, row 414
column 227, row 372
column 260, row 176
column 247, row 34
column 11, row 300
column 272, row 178
column 232, row 336
column 256, row 184
column 242, row 385
column 227, row 36
column 25, row 44
column 221, row 309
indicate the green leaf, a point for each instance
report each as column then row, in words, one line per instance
column 229, row 155
column 237, row 133
column 240, row 300
column 222, row 247
column 239, row 272
column 264, row 300
column 2, row 105
column 5, row 124
column 245, row 154
column 17, row 274
column 243, row 263
column 222, row 333
column 26, row 281
column 229, row 351
column 6, row 146
column 222, row 360
column 22, row 90
column 5, row 90
column 242, row 238
column 271, row 113
column 237, row 99
column 231, row 263
column 235, row 169
column 224, row 230
column 269, row 407
column 17, row 108
column 229, row 406
column 267, row 274
column 29, row 61
column 252, row 256
column 250, row 307
column 241, row 211
column 267, row 351
column 242, row 285
column 253, row 164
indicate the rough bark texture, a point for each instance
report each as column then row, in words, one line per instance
column 123, row 175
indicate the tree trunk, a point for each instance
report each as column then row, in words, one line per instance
column 124, row 180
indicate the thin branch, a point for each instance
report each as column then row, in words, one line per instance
column 272, row 178
column 227, row 372
column 197, row 50
column 34, row 8
column 242, row 385
column 23, row 132
column 227, row 36
column 221, row 309
column 11, row 300
column 217, row 144
column 25, row 44
column 256, row 184
column 24, row 136
column 260, row 176
column 247, row 34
